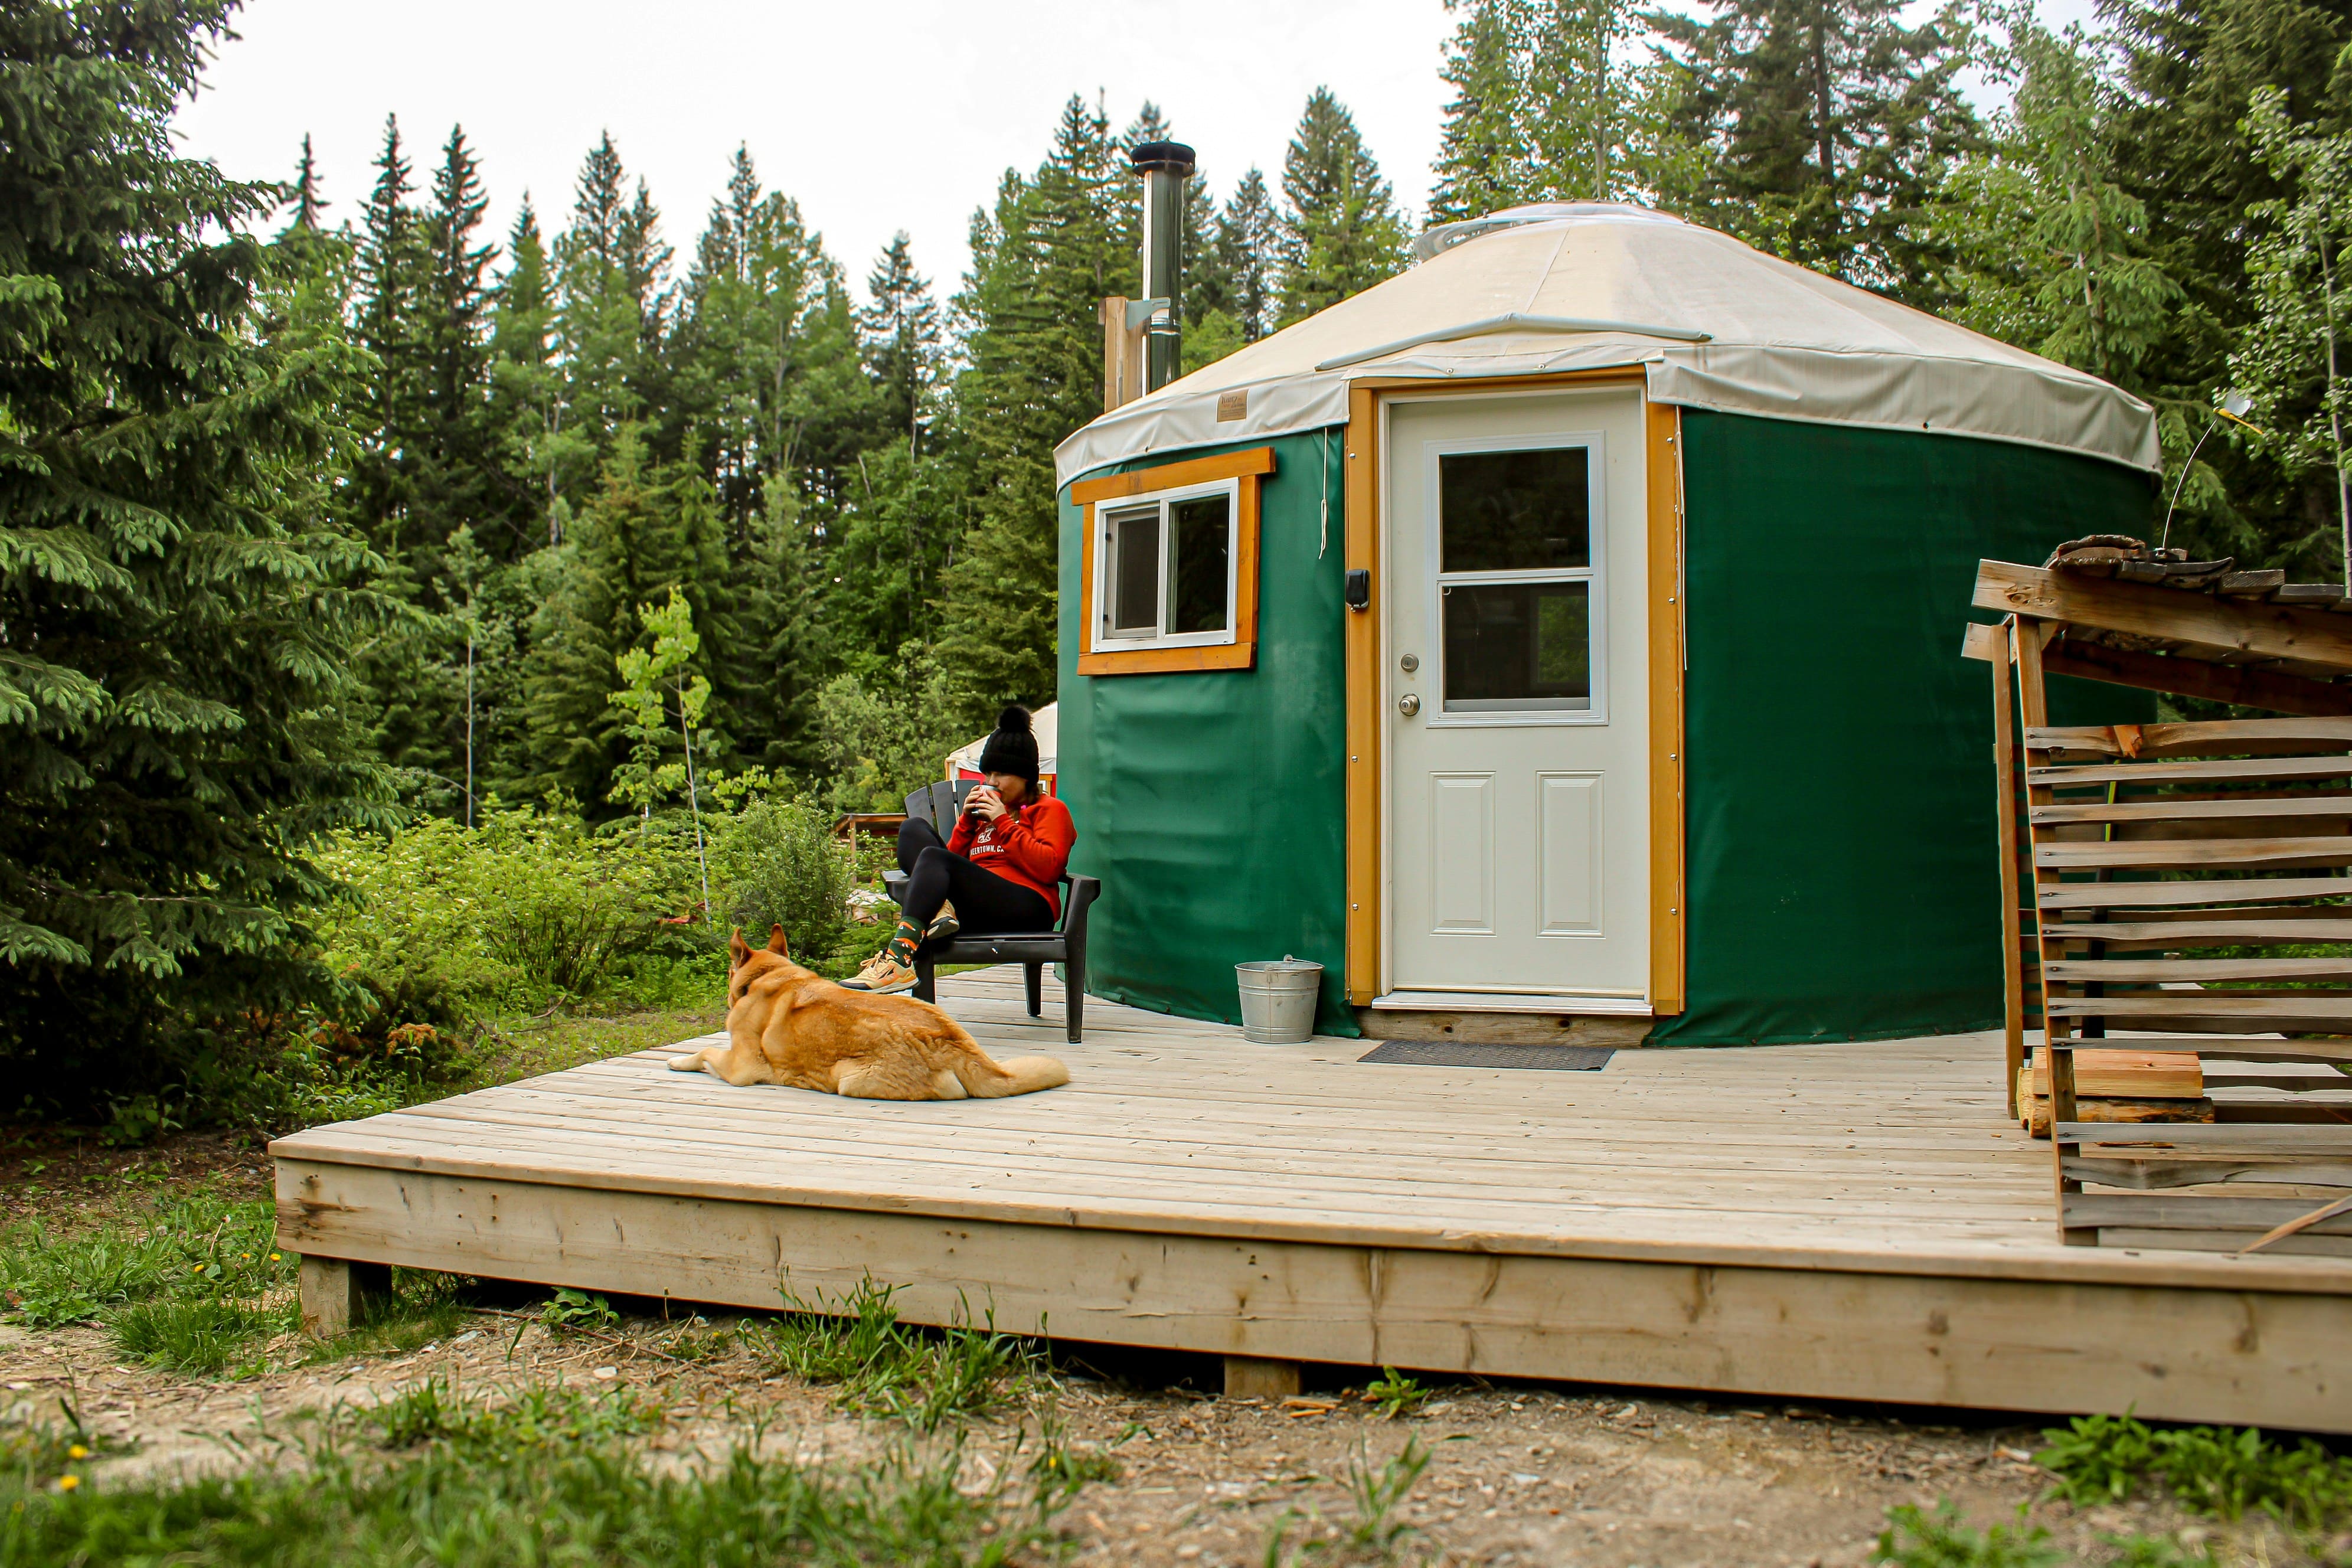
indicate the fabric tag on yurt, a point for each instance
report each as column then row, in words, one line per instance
column 1460, row 1054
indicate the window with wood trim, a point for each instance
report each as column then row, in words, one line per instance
column 1166, row 568
column 1170, row 566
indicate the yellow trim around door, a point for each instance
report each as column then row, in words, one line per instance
column 1669, row 908
column 1669, row 905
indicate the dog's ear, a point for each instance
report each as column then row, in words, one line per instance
column 738, row 950
column 776, row 944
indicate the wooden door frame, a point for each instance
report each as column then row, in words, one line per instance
column 1663, row 479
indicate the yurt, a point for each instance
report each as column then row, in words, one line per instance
column 1564, row 627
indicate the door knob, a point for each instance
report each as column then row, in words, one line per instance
column 1408, row 704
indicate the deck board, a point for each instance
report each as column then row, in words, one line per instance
column 1889, row 1161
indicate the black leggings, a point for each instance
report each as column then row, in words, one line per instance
column 984, row 901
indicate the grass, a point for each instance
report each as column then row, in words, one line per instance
column 196, row 1285
column 880, row 1367
column 192, row 1287
column 552, row 1478
column 2224, row 1471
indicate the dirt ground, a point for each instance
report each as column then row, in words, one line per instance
column 1515, row 1474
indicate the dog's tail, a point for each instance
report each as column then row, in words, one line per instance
column 984, row 1078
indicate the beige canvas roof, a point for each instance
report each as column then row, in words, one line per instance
column 1714, row 322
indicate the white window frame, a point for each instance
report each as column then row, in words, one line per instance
column 1104, row 639
column 1594, row 572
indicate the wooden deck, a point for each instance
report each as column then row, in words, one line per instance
column 1846, row 1221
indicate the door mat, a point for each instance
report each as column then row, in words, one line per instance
column 1460, row 1054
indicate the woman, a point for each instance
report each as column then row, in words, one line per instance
column 999, row 871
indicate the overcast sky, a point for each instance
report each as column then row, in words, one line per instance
column 876, row 117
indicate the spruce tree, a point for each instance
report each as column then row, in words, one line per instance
column 177, row 606
column 1249, row 248
column 392, row 282
column 540, row 448
column 1341, row 232
column 1042, row 262
column 307, row 203
column 1830, row 124
column 1482, row 151
column 903, row 341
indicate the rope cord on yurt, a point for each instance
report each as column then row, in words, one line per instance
column 1323, row 537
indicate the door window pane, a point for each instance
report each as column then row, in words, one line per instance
column 1516, row 511
column 1518, row 647
column 1196, row 588
column 1134, row 572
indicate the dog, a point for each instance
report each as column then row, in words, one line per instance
column 788, row 1025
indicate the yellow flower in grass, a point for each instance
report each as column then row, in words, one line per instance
column 77, row 1452
column 275, row 1258
column 67, row 1483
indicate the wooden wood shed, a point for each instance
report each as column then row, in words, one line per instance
column 2175, row 899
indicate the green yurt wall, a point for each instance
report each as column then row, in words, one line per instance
column 1843, row 876
column 1226, row 789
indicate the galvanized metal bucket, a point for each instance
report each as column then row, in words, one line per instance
column 1278, row 1000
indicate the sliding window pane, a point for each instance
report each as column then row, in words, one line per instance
column 1134, row 572
column 1198, row 572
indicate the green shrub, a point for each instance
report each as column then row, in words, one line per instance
column 528, row 909
column 775, row 863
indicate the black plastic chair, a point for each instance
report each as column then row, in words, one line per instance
column 1066, row 944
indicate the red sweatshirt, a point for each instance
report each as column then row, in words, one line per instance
column 1030, row 848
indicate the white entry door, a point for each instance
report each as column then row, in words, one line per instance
column 1517, row 703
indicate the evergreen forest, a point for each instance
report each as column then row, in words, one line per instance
column 405, row 624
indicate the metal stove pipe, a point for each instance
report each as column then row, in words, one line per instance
column 1165, row 166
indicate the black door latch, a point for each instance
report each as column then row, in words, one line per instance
column 1359, row 589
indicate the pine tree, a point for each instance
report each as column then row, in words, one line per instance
column 1830, row 122
column 539, row 446
column 459, row 482
column 903, row 339
column 1041, row 261
column 1482, row 152
column 1341, row 233
column 307, row 203
column 391, row 282
column 1249, row 247
column 172, row 652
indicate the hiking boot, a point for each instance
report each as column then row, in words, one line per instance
column 943, row 925
column 883, row 975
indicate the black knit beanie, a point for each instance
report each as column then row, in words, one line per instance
column 1012, row 748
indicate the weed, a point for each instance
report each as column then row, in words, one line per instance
column 1377, row 1494
column 886, row 1368
column 569, row 1309
column 1917, row 1539
column 2220, row 1470
column 2098, row 1459
column 199, row 1336
column 1395, row 1394
column 550, row 1482
column 538, row 1418
column 698, row 1342
column 1059, row 1472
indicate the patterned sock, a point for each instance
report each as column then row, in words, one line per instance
column 903, row 943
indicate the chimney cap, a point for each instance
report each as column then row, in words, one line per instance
column 1173, row 156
